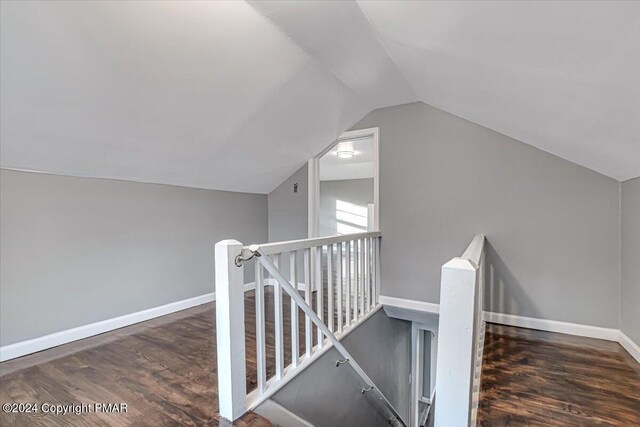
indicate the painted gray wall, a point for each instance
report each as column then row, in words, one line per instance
column 552, row 226
column 356, row 191
column 328, row 396
column 288, row 211
column 80, row 250
column 630, row 291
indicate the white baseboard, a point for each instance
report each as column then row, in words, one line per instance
column 608, row 334
column 553, row 326
column 55, row 339
column 409, row 304
column 630, row 346
column 598, row 332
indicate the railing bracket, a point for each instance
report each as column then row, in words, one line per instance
column 364, row 390
column 252, row 253
column 341, row 362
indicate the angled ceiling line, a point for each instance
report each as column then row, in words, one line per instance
column 376, row 34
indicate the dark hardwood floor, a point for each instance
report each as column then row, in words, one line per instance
column 535, row 378
column 163, row 369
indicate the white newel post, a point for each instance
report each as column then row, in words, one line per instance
column 232, row 392
column 454, row 377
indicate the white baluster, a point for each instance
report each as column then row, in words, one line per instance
column 330, row 316
column 378, row 282
column 319, row 294
column 293, row 275
column 278, row 321
column 372, row 242
column 362, row 276
column 260, row 330
column 339, row 286
column 366, row 275
column 356, row 279
column 307, row 298
column 374, row 260
column 347, row 277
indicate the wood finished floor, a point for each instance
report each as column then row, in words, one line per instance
column 164, row 369
column 535, row 378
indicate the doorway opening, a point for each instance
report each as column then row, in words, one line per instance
column 343, row 185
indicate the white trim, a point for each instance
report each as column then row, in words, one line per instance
column 553, row 326
column 409, row 304
column 55, row 339
column 418, row 335
column 249, row 286
column 629, row 345
column 269, row 404
column 256, row 397
column 609, row 334
column 314, row 179
column 294, row 245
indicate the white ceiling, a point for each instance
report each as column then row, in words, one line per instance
column 561, row 76
column 201, row 94
column 237, row 96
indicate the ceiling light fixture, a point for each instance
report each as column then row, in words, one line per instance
column 345, row 154
column 345, row 150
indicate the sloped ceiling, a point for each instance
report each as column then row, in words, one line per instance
column 200, row 94
column 237, row 96
column 561, row 76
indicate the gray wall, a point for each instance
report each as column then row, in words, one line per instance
column 328, row 396
column 80, row 250
column 552, row 226
column 630, row 292
column 288, row 211
column 356, row 191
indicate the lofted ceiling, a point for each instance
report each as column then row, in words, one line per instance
column 199, row 94
column 237, row 96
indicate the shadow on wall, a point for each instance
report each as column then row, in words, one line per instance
column 503, row 292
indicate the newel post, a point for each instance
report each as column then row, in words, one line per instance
column 232, row 391
column 455, row 361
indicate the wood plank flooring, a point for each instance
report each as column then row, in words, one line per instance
column 164, row 369
column 535, row 378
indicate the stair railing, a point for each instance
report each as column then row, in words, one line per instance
column 350, row 265
column 293, row 293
